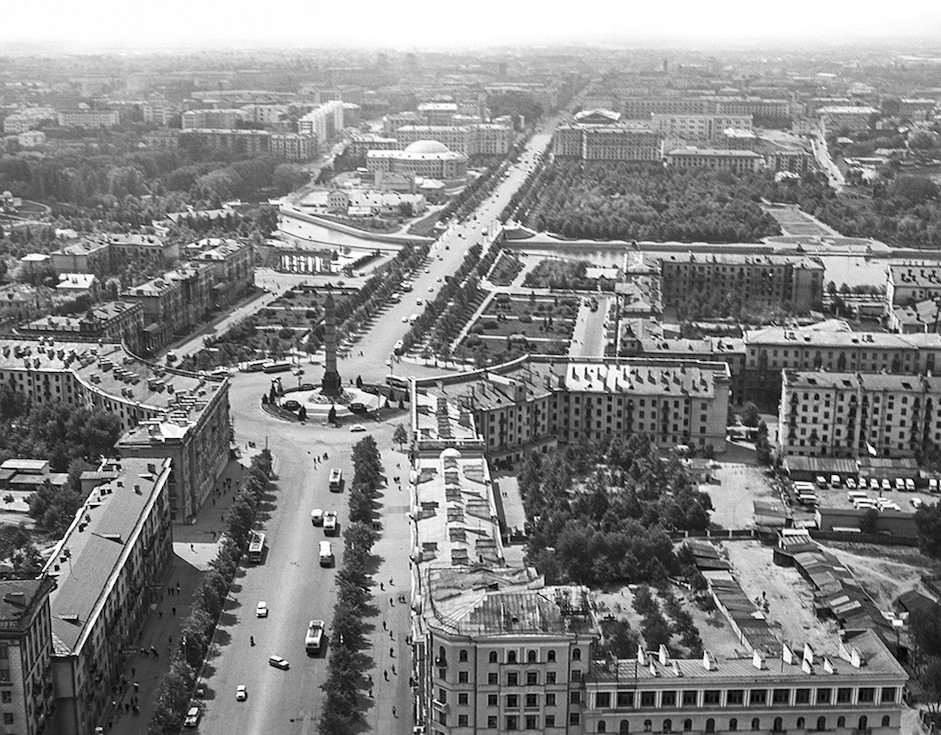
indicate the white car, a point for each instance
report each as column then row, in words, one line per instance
column 330, row 523
column 405, row 319
column 917, row 503
column 278, row 663
column 192, row 717
column 355, row 428
column 316, row 516
column 261, row 609
column 850, row 483
column 241, row 693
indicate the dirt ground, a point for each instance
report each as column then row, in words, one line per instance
column 740, row 483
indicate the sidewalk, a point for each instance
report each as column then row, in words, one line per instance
column 389, row 649
column 194, row 546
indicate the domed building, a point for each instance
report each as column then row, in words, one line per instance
column 427, row 158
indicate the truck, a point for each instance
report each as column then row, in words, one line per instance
column 313, row 640
column 336, row 480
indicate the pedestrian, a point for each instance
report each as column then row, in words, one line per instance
column 385, row 675
column 178, row 588
column 391, row 602
column 393, row 711
column 391, row 650
column 391, row 583
column 391, row 636
column 393, row 668
column 382, row 586
column 173, row 610
column 136, row 687
column 384, row 625
column 191, row 546
column 160, row 614
column 134, row 673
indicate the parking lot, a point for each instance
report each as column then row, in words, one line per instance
column 863, row 493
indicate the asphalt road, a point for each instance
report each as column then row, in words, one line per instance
column 296, row 588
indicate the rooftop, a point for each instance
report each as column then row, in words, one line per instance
column 916, row 275
column 18, row 599
column 95, row 317
column 796, row 261
column 828, row 338
column 817, row 380
column 713, row 153
column 89, row 557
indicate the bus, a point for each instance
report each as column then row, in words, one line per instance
column 336, row 480
column 256, row 547
column 254, row 366
column 278, row 367
column 314, row 638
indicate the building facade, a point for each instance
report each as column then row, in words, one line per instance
column 624, row 142
column 26, row 648
column 698, row 127
column 323, row 122
column 89, row 119
column 108, row 568
column 294, row 146
column 212, row 119
column 739, row 161
column 909, row 283
column 425, row 158
column 112, row 321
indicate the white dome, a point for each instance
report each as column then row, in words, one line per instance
column 427, row 146
column 450, row 453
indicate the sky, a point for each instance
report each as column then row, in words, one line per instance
column 416, row 24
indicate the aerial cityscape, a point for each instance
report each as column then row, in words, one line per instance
column 421, row 379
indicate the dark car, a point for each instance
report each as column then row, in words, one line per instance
column 291, row 405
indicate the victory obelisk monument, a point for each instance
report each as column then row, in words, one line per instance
column 330, row 385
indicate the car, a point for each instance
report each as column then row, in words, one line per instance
column 850, row 483
column 261, row 609
column 330, row 523
column 917, row 503
column 192, row 717
column 405, row 319
column 200, row 692
column 933, row 485
column 909, row 485
column 431, row 289
column 899, row 484
column 316, row 516
column 418, row 302
column 308, row 386
column 291, row 405
column 886, row 485
column 278, row 663
column 241, row 693
column 355, row 428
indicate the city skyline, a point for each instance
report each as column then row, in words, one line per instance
column 112, row 25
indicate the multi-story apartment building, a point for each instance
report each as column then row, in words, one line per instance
column 909, row 283
column 789, row 282
column 26, row 648
column 739, row 161
column 471, row 140
column 162, row 412
column 437, row 113
column 158, row 111
column 391, row 123
column 698, row 127
column 536, row 402
column 753, row 106
column 641, row 108
column 854, row 687
column 492, row 139
column 88, row 255
column 112, row 321
column 89, row 119
column 235, row 142
column 233, row 268
column 17, row 123
column 263, row 114
column 323, row 122
column 108, row 568
column 770, row 350
column 795, row 160
column 293, row 146
column 837, row 117
column 212, row 119
column 844, row 414
column 108, row 254
column 623, row 142
column 361, row 143
column 711, row 349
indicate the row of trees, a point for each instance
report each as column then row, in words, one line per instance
column 605, row 200
column 175, row 689
column 340, row 712
column 602, row 513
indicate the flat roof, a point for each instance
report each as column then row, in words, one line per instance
column 899, row 383
column 782, row 336
column 713, row 153
column 757, row 259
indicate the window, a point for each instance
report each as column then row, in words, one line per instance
column 863, row 723
column 7, row 696
column 668, row 699
column 7, row 718
column 512, row 701
column 778, row 725
column 493, row 657
column 576, row 654
column 602, row 726
column 550, row 677
column 648, row 725
column 493, row 679
column 625, row 699
column 802, row 696
column 443, row 696
column 687, row 725
column 532, row 678
column 550, row 699
column 461, row 677
column 550, row 720
column 462, row 656
column 735, row 696
column 550, row 657
column 492, row 700
column 844, row 694
column 823, row 696
column 755, row 723
column 603, row 699
column 757, row 696
column 511, row 657
column 888, row 694
column 733, row 725
column 780, row 696
column 575, row 718
column 532, row 700
column 512, row 679
column 841, row 721
column 867, row 694
column 647, row 699
column 711, row 696
column 492, row 722
column 575, row 697
column 800, row 723
column 462, row 698
column 530, row 657
column 624, row 727
column 576, row 675
column 885, row 721
column 667, row 725
column 511, row 722
column 821, row 723
column 710, row 725
column 462, row 720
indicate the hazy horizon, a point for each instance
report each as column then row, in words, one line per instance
column 123, row 25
